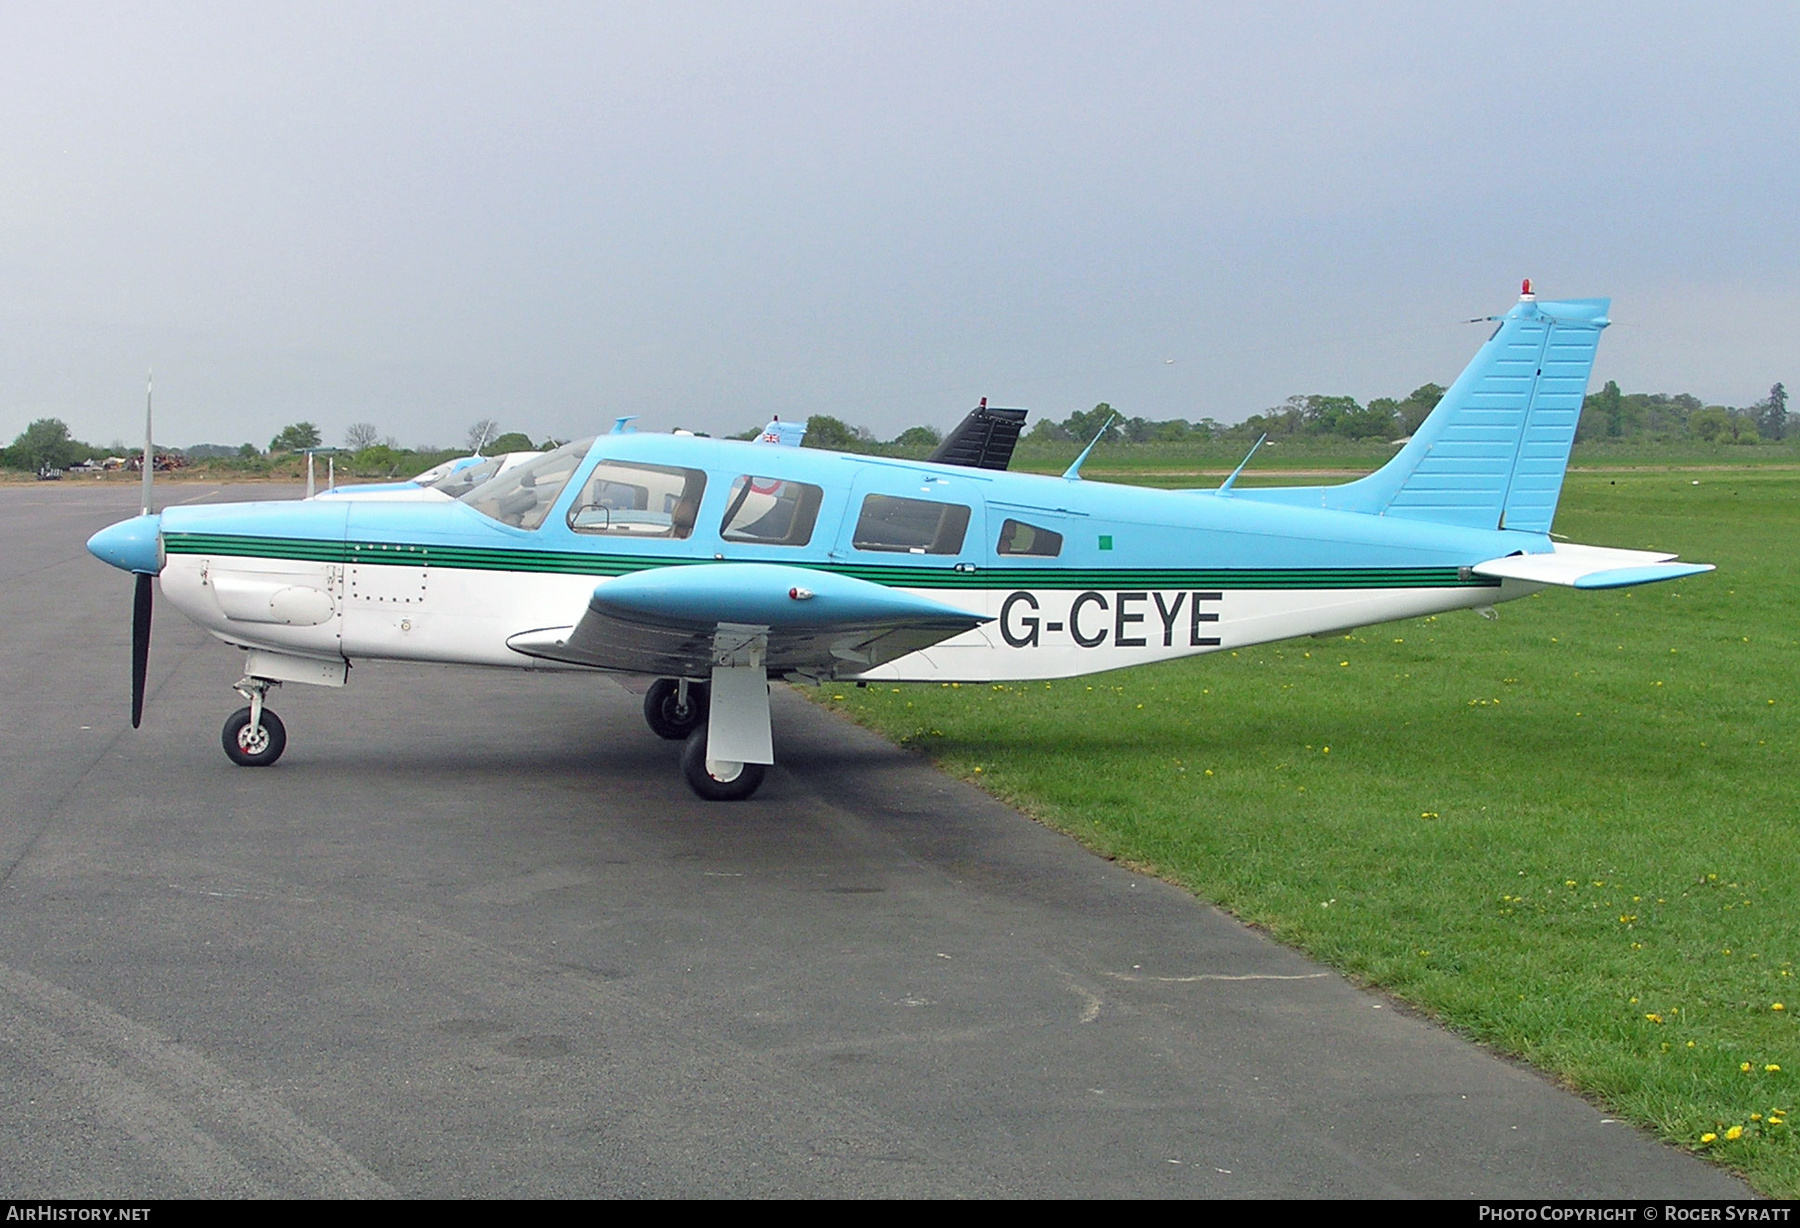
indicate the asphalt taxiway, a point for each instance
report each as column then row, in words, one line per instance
column 474, row 937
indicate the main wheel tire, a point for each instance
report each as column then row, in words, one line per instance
column 665, row 714
column 718, row 782
column 257, row 747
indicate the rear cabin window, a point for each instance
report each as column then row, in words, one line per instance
column 1017, row 537
column 911, row 526
column 621, row 499
column 770, row 511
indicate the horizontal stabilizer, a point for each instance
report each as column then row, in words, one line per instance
column 1573, row 566
column 663, row 621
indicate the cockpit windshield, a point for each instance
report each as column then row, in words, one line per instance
column 522, row 497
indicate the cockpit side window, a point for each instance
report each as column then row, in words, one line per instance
column 911, row 526
column 770, row 511
column 522, row 497
column 629, row 500
column 1017, row 537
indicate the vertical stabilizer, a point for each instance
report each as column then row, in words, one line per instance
column 1493, row 452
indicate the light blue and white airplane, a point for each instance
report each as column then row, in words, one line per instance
column 714, row 566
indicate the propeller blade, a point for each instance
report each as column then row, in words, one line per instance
column 140, row 646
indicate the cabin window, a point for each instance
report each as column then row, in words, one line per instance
column 770, row 511
column 523, row 496
column 911, row 526
column 626, row 500
column 1017, row 537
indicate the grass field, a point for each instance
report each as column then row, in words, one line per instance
column 1568, row 834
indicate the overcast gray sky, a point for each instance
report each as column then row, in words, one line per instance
column 419, row 215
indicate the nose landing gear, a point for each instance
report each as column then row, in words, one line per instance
column 254, row 736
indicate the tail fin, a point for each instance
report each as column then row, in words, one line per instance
column 784, row 434
column 983, row 440
column 1493, row 452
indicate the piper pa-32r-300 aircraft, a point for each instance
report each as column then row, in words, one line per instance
column 714, row 566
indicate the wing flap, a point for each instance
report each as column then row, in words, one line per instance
column 1589, row 567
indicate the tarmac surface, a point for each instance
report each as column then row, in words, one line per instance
column 473, row 937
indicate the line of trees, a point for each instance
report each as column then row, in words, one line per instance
column 1612, row 414
column 47, row 445
column 1606, row 414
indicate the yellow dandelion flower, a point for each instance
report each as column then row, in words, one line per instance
column 1735, row 1133
column 1654, row 1018
column 1745, row 1068
column 1771, row 1068
column 1709, row 1137
column 1778, row 1007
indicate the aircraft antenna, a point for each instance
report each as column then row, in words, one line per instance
column 149, row 455
column 1225, row 486
column 1073, row 472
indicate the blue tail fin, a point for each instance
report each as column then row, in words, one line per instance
column 1493, row 452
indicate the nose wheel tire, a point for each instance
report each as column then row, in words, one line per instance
column 714, row 780
column 253, row 747
column 668, row 717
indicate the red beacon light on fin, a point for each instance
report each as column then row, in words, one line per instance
column 1525, row 293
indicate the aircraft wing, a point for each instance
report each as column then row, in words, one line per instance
column 676, row 621
column 1574, row 566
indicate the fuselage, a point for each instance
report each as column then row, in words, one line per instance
column 1076, row 576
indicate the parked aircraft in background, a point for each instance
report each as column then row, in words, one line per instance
column 714, row 566
column 439, row 484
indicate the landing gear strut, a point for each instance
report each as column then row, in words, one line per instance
column 674, row 707
column 254, row 736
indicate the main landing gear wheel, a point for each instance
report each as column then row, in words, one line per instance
column 254, row 747
column 716, row 781
column 668, row 716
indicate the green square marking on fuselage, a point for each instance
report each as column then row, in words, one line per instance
column 1106, row 541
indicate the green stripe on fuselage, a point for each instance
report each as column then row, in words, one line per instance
column 553, row 562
